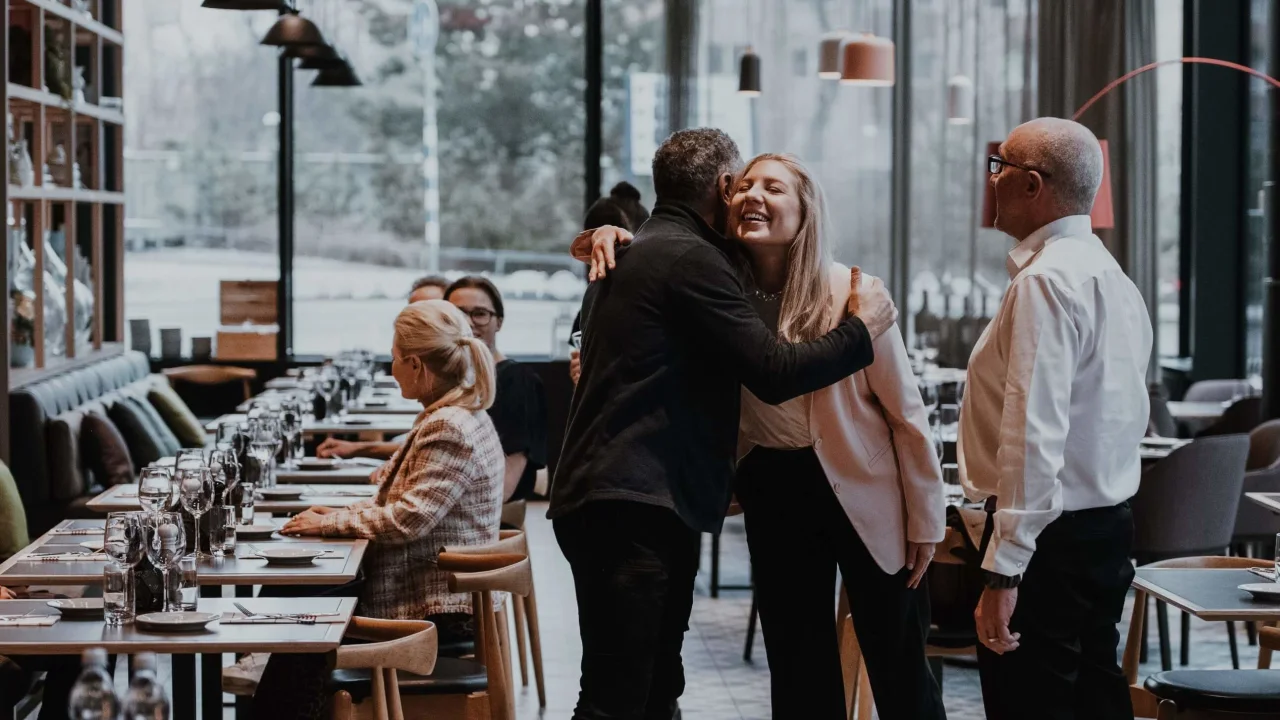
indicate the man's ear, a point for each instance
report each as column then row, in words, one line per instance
column 726, row 187
column 1035, row 185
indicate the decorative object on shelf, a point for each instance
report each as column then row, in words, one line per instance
column 868, row 60
column 341, row 76
column 749, row 74
column 57, row 66
column 56, row 170
column 22, row 331
column 170, row 343
column 140, row 336
column 26, row 169
column 82, row 297
column 292, row 31
column 78, row 85
column 829, row 58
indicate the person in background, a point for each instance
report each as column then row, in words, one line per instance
column 621, row 208
column 1055, row 406
column 519, row 409
column 431, row 287
column 442, row 488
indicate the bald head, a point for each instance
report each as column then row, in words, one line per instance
column 1067, row 152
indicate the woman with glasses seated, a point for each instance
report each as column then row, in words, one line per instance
column 519, row 409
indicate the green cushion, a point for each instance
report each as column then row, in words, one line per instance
column 13, row 519
column 178, row 416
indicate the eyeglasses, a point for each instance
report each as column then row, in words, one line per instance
column 995, row 164
column 480, row 317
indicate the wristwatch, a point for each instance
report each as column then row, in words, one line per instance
column 996, row 581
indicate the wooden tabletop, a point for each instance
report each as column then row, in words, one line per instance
column 224, row 571
column 354, row 423
column 1212, row 595
column 1197, row 410
column 122, row 498
column 71, row 637
column 1270, row 501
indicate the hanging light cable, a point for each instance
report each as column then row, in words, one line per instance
column 749, row 67
column 960, row 97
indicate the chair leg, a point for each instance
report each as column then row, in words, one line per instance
column 865, row 700
column 1162, row 620
column 393, row 691
column 517, row 605
column 504, row 645
column 751, row 629
column 715, row 565
column 1184, row 650
column 1231, row 640
column 379, row 695
column 1251, row 633
column 1146, row 631
column 343, row 709
column 1167, row 710
column 1264, row 653
column 535, row 645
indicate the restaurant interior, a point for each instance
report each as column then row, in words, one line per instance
column 238, row 197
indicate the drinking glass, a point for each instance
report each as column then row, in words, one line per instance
column 225, row 439
column 929, row 395
column 166, row 544
column 117, row 594
column 222, row 539
column 264, row 437
column 247, row 491
column 123, row 538
column 226, row 471
column 291, row 427
column 949, row 422
column 155, row 492
column 184, row 584
column 196, row 485
column 189, row 458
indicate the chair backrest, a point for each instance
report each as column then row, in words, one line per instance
column 482, row 575
column 408, row 645
column 1186, row 503
column 13, row 518
column 487, row 573
column 514, row 513
column 1264, row 446
column 510, row 542
column 1243, row 416
column 214, row 375
column 1217, row 390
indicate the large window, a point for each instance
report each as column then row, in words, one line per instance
column 1168, row 14
column 1260, row 184
column 200, row 161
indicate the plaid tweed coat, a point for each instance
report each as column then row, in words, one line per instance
column 443, row 487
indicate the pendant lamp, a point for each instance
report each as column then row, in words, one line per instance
column 317, row 57
column 960, row 100
column 829, row 60
column 749, row 74
column 340, row 76
column 292, row 31
column 276, row 5
column 868, row 60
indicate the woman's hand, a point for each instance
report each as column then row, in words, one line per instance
column 919, row 555
column 603, row 241
column 7, row 594
column 333, row 448
column 322, row 510
column 306, row 523
column 575, row 366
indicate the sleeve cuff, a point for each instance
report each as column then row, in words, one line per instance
column 1006, row 558
column 330, row 527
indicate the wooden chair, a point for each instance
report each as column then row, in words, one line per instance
column 514, row 514
column 526, row 609
column 1144, row 703
column 408, row 645
column 213, row 375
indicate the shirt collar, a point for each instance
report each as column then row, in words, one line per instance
column 1024, row 252
column 691, row 219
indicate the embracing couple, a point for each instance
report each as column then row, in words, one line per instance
column 723, row 341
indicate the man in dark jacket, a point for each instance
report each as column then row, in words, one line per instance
column 669, row 338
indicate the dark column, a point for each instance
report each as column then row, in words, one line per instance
column 1271, row 286
column 285, row 207
column 900, row 177
column 594, row 98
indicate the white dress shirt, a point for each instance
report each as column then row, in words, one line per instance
column 1056, row 399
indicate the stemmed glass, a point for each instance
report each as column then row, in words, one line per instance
column 155, row 489
column 122, row 538
column 166, row 545
column 291, row 429
column 196, row 486
column 264, row 440
column 189, row 458
column 226, row 437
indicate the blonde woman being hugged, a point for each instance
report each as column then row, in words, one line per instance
column 443, row 487
column 845, row 477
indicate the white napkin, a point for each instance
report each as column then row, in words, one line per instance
column 30, row 621
column 60, row 557
column 235, row 618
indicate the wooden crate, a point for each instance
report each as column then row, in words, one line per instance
column 246, row 343
column 248, row 301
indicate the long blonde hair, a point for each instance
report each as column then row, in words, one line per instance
column 438, row 333
column 806, row 298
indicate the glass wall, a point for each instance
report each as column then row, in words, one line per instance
column 200, row 170
column 1169, row 175
column 1260, row 185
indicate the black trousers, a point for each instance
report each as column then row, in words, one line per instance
column 799, row 534
column 633, row 571
column 1069, row 602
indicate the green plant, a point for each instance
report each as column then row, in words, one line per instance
column 23, row 329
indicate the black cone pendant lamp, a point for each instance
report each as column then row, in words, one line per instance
column 293, row 31
column 244, row 5
column 317, row 57
column 339, row 76
column 749, row 74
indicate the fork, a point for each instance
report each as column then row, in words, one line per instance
column 300, row 618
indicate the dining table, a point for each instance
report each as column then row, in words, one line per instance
column 121, row 498
column 1182, row 410
column 1270, row 501
column 371, row 401
column 362, row 424
column 72, row 637
column 354, row 471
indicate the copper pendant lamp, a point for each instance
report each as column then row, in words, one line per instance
column 829, row 58
column 338, row 76
column 293, row 31
column 868, row 61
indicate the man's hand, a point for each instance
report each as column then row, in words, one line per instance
column 871, row 303
column 992, row 616
column 575, row 366
column 595, row 247
column 333, row 448
column 919, row 555
column 7, row 594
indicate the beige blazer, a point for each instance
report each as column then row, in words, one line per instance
column 872, row 436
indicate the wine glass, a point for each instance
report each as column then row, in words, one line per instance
column 189, row 458
column 930, row 396
column 196, row 486
column 166, row 545
column 155, row 491
column 225, row 439
column 264, row 439
column 291, row 425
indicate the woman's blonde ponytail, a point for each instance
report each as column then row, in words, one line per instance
column 438, row 333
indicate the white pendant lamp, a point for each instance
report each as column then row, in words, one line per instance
column 868, row 61
column 829, row 58
column 960, row 100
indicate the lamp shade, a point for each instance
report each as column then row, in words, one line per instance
column 960, row 100
column 316, row 57
column 1103, row 214
column 293, row 30
column 829, row 58
column 868, row 60
column 340, row 76
column 749, row 74
column 276, row 5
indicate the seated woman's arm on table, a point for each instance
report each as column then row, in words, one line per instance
column 433, row 476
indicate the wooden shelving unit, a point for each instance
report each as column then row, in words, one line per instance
column 45, row 42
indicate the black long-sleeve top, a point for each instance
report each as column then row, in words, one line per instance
column 669, row 338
